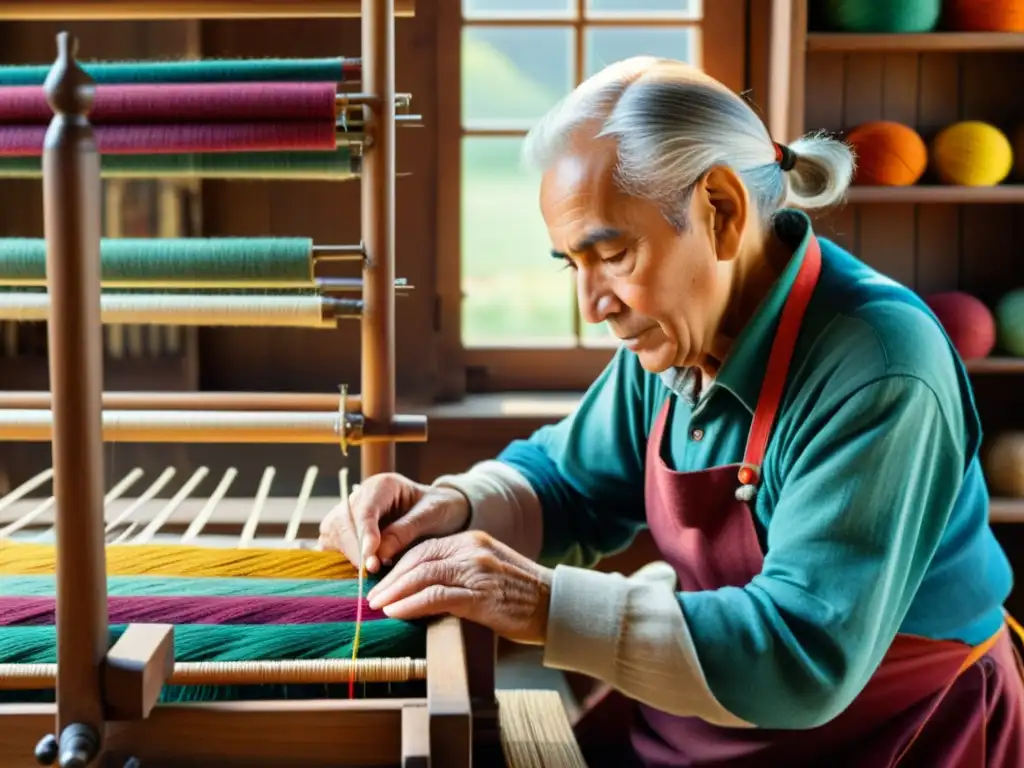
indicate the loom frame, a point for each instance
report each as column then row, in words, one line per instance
column 114, row 691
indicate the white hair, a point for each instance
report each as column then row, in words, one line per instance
column 672, row 124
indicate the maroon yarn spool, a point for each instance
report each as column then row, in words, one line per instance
column 27, row 140
column 969, row 324
column 183, row 103
column 40, row 611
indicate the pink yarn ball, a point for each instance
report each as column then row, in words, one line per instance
column 969, row 324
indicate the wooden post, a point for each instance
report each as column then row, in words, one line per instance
column 71, row 205
column 378, row 226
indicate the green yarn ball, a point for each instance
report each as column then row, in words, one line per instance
column 887, row 16
column 1009, row 313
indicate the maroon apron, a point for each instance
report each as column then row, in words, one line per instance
column 933, row 704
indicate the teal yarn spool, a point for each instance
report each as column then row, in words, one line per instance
column 169, row 262
column 884, row 16
column 1009, row 314
column 172, row 586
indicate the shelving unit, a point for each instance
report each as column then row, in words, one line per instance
column 930, row 237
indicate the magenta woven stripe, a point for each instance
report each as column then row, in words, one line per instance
column 39, row 611
column 182, row 103
column 27, row 140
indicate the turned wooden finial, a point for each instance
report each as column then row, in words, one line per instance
column 69, row 88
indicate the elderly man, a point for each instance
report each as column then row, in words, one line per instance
column 795, row 430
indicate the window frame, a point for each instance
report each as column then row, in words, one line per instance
column 723, row 46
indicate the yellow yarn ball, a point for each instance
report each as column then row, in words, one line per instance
column 972, row 154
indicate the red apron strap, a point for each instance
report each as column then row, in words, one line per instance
column 778, row 362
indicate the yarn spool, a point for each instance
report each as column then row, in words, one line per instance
column 984, row 15
column 1009, row 315
column 972, row 153
column 888, row 154
column 1003, row 460
column 893, row 16
column 967, row 321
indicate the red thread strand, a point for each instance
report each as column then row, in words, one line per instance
column 40, row 611
column 27, row 140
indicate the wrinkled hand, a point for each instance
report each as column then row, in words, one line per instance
column 472, row 576
column 391, row 512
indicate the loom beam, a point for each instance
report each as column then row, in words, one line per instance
column 71, row 191
column 152, row 10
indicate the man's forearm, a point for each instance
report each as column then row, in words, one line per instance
column 629, row 633
column 502, row 503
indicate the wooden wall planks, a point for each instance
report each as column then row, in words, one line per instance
column 929, row 247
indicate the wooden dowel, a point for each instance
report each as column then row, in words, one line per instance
column 378, row 227
column 26, row 677
column 338, row 252
column 138, row 10
column 194, row 401
column 272, row 427
column 71, row 214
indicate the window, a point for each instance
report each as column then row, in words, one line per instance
column 516, row 324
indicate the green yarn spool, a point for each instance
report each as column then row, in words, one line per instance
column 382, row 638
column 885, row 16
column 329, row 70
column 337, row 165
column 1009, row 314
column 277, row 262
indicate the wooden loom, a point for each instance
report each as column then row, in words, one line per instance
column 107, row 709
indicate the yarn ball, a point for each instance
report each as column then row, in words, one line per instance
column 888, row 154
column 984, row 15
column 1009, row 314
column 972, row 153
column 1003, row 462
column 881, row 15
column 967, row 321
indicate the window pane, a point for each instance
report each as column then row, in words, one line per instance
column 677, row 9
column 514, row 293
column 506, row 9
column 605, row 45
column 511, row 76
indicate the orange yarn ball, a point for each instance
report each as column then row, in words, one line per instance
column 889, row 154
column 985, row 15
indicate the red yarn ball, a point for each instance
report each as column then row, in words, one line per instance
column 969, row 324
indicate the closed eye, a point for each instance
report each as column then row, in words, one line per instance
column 617, row 257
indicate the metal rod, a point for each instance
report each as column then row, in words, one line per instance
column 338, row 252
column 354, row 284
column 270, row 427
column 194, row 401
column 71, row 212
column 378, row 226
column 136, row 10
column 343, row 100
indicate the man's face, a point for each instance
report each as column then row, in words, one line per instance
column 659, row 290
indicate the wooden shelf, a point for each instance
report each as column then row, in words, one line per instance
column 166, row 10
column 1006, row 511
column 996, row 365
column 934, row 193
column 840, row 42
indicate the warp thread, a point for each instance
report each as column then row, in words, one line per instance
column 24, row 140
column 23, row 559
column 182, row 586
column 181, row 103
column 35, row 611
column 325, row 70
